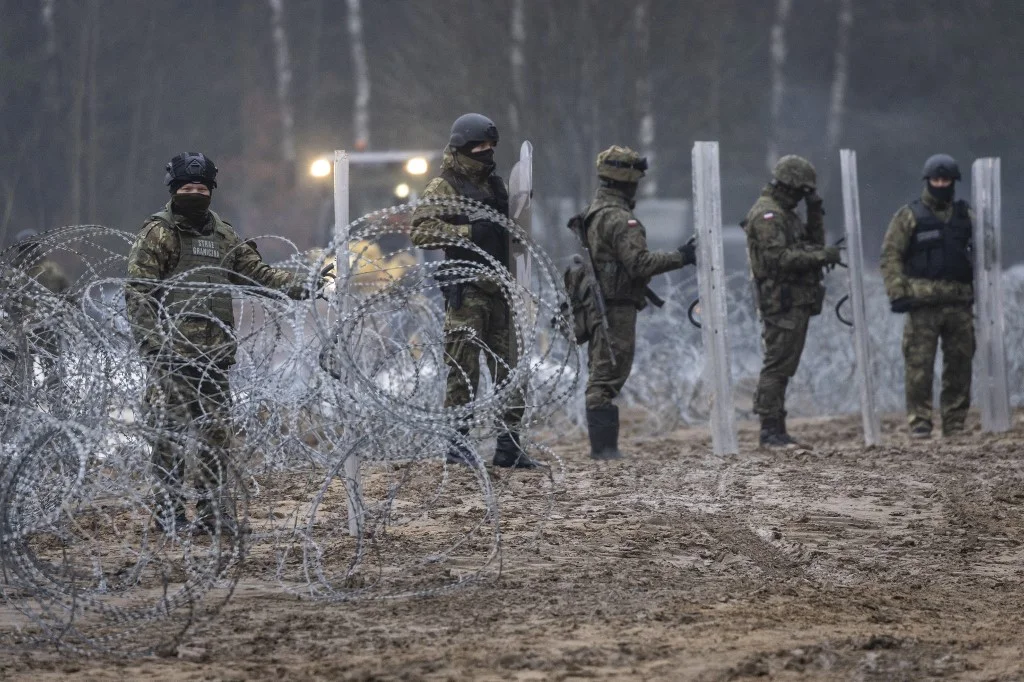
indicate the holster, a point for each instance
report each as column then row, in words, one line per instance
column 453, row 294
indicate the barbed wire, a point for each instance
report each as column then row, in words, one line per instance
column 95, row 556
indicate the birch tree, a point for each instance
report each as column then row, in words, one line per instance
column 361, row 114
column 644, row 94
column 517, row 62
column 283, row 67
column 778, row 60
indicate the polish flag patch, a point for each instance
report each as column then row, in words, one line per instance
column 632, row 223
column 770, row 215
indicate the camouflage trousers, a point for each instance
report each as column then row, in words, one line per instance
column 953, row 324
column 606, row 377
column 783, row 336
column 479, row 323
column 185, row 402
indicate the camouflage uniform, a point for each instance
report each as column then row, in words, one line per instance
column 786, row 259
column 624, row 266
column 187, row 334
column 938, row 309
column 51, row 276
column 477, row 316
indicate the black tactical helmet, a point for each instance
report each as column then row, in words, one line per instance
column 189, row 167
column 472, row 129
column 941, row 166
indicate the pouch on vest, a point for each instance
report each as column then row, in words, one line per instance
column 585, row 316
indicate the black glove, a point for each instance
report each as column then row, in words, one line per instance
column 689, row 251
column 903, row 304
column 487, row 235
column 455, row 218
column 832, row 255
column 814, row 200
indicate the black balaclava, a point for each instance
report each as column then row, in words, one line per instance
column 193, row 207
column 942, row 195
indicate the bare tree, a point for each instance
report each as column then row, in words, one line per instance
column 361, row 115
column 778, row 55
column 644, row 93
column 283, row 64
column 840, row 76
column 517, row 60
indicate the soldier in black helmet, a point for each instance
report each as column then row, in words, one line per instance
column 477, row 315
column 185, row 331
column 928, row 270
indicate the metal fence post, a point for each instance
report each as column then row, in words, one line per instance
column 855, row 260
column 707, row 211
column 353, row 483
column 990, row 364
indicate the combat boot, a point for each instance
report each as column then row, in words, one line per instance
column 508, row 453
column 170, row 524
column 459, row 453
column 773, row 433
column 603, row 429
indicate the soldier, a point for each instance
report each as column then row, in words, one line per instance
column 786, row 260
column 477, row 315
column 624, row 267
column 186, row 334
column 928, row 271
column 39, row 276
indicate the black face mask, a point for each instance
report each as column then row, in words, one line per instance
column 486, row 156
column 943, row 195
column 193, row 207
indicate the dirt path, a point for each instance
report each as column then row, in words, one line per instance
column 900, row 562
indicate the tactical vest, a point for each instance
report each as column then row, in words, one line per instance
column 616, row 284
column 496, row 199
column 939, row 250
column 200, row 262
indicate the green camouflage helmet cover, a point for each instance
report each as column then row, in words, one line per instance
column 621, row 164
column 796, row 172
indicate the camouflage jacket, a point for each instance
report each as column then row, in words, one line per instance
column 786, row 256
column 154, row 257
column 618, row 245
column 432, row 227
column 894, row 249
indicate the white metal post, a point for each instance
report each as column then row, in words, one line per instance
column 855, row 260
column 990, row 372
column 353, row 484
column 707, row 212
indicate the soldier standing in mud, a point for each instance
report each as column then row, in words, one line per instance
column 477, row 315
column 624, row 267
column 786, row 260
column 185, row 332
column 40, row 271
column 928, row 270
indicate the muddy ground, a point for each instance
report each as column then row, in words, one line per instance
column 900, row 562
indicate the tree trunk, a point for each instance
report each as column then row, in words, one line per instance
column 361, row 114
column 840, row 77
column 517, row 61
column 92, row 136
column 644, row 94
column 283, row 66
column 778, row 57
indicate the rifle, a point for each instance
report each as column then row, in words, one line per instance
column 577, row 227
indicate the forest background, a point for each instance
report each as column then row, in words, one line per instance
column 96, row 95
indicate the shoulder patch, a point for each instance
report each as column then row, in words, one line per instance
column 633, row 222
column 769, row 215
